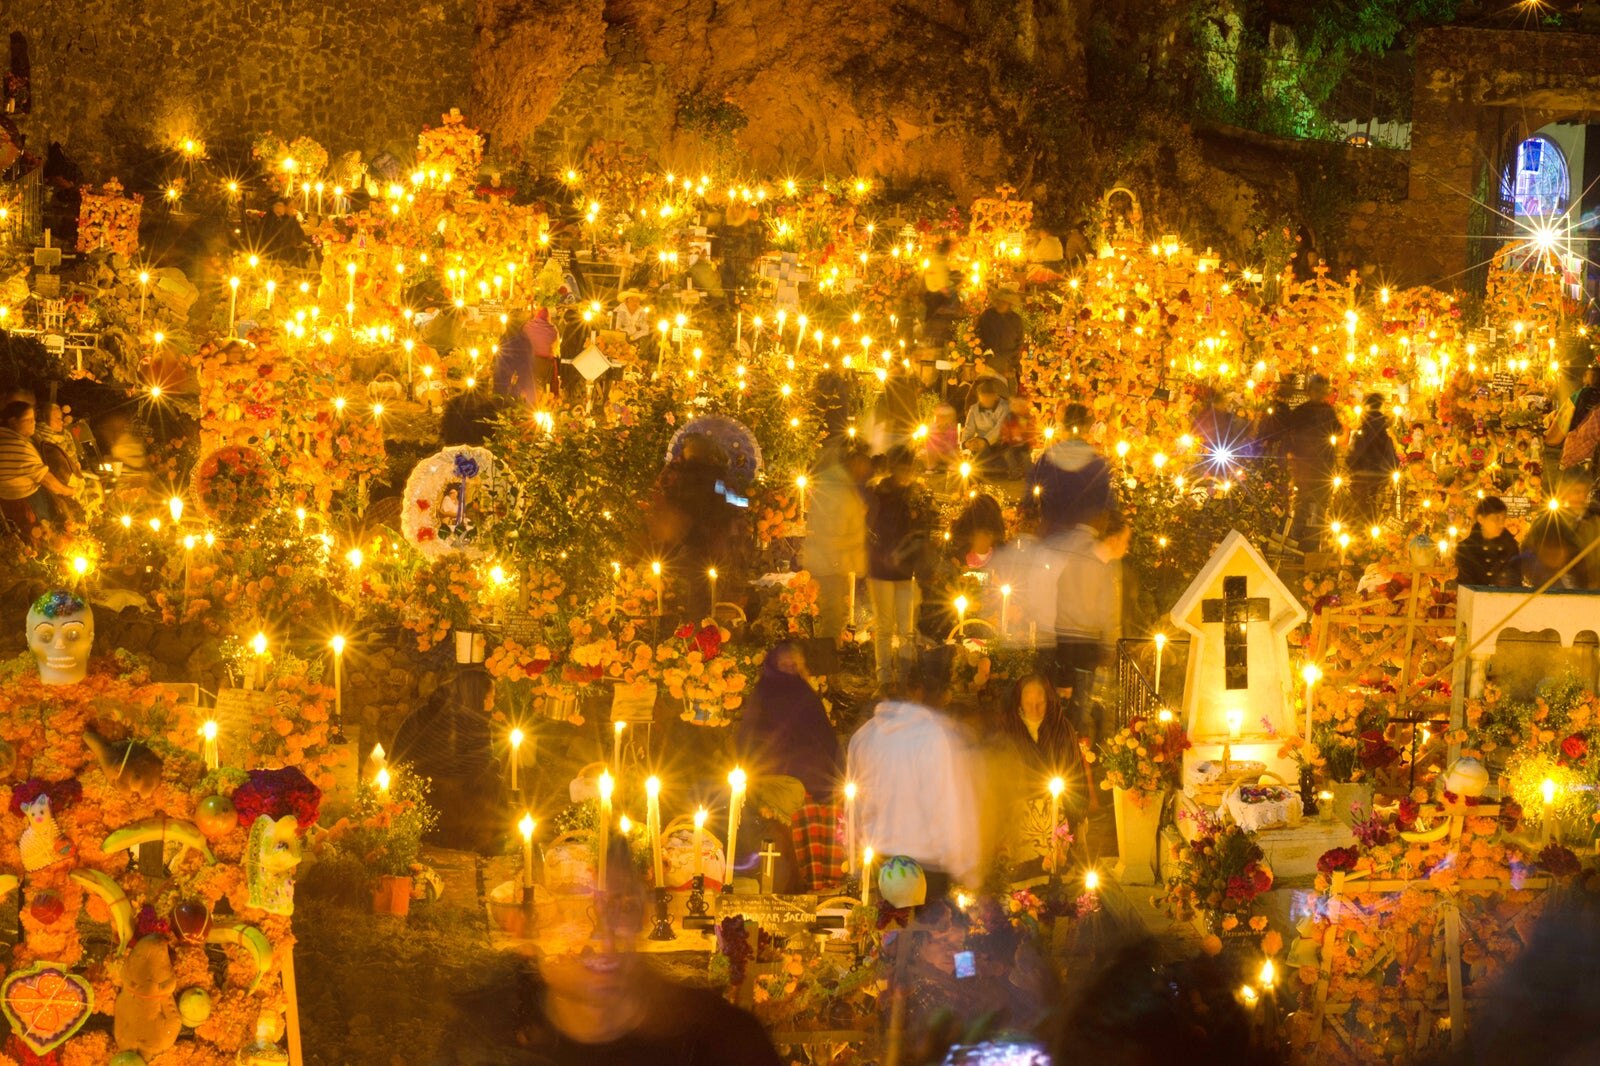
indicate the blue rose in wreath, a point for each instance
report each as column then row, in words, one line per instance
column 466, row 465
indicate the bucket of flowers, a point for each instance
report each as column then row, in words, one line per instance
column 700, row 671
column 1217, row 879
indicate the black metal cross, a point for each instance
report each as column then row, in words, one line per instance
column 1235, row 610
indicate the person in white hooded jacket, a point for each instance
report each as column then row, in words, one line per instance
column 916, row 777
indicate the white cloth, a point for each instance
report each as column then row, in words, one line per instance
column 917, row 797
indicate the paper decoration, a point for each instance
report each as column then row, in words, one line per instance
column 108, row 219
column 45, row 1005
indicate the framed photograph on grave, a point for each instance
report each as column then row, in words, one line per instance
column 634, row 703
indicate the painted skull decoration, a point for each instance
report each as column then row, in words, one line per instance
column 60, row 635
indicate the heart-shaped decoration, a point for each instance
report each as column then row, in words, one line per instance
column 45, row 1005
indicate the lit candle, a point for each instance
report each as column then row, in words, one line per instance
column 1005, row 607
column 655, row 570
column 850, row 820
column 1057, row 786
column 1325, row 805
column 516, row 757
column 350, row 272
column 1548, row 815
column 1091, row 881
column 337, row 643
column 144, row 288
column 383, row 783
column 1311, row 674
column 699, row 839
column 800, row 483
column 527, row 825
column 1235, row 723
column 711, row 575
column 961, row 614
column 233, row 302
column 208, row 747
column 652, row 821
column 604, row 825
column 616, row 746
column 736, row 784
column 1161, row 646
column 866, row 876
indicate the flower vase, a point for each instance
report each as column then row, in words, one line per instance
column 1348, row 795
column 392, row 895
column 469, row 646
column 1138, row 831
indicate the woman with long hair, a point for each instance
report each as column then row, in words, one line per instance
column 1036, row 744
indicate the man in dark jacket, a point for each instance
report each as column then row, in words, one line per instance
column 1000, row 335
column 899, row 517
column 1313, row 455
column 1488, row 555
column 1071, row 482
column 1373, row 459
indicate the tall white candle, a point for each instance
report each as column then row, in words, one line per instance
column 699, row 842
column 337, row 643
column 526, row 825
column 1057, row 786
column 652, row 821
column 850, row 605
column 866, row 876
column 616, row 746
column 605, row 787
column 516, row 757
column 850, row 821
column 1311, row 675
column 736, row 786
column 208, row 749
column 1161, row 646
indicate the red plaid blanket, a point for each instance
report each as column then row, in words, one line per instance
column 819, row 845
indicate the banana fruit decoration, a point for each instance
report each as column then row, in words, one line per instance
column 116, row 902
column 162, row 828
column 247, row 936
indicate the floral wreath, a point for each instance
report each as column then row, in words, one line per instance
column 233, row 484
column 450, row 502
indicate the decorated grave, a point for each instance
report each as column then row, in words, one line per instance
column 153, row 860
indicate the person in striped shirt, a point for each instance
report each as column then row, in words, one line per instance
column 28, row 490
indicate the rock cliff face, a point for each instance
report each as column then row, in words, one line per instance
column 524, row 54
column 924, row 89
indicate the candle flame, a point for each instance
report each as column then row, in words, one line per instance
column 1091, row 881
column 526, row 825
column 1057, row 786
column 605, row 785
column 652, row 786
column 516, row 739
column 737, row 779
column 700, row 818
column 209, row 730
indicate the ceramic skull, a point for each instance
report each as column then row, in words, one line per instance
column 60, row 635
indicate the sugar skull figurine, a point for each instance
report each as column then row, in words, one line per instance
column 60, row 634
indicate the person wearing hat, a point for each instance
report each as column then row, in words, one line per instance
column 1372, row 459
column 1000, row 335
column 1312, row 445
column 632, row 317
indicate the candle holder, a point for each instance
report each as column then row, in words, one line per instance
column 663, row 927
column 696, row 906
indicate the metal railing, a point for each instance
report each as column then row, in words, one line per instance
column 1134, row 693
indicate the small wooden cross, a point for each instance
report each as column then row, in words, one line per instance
column 769, row 860
column 1235, row 610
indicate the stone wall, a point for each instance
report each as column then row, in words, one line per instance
column 116, row 80
column 626, row 98
column 1478, row 94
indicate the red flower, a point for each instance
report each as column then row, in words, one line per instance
column 422, row 505
column 1510, row 814
column 1335, row 859
column 709, row 641
column 425, row 533
column 684, row 632
column 1260, row 877
column 1574, row 747
column 1406, row 819
column 1560, row 861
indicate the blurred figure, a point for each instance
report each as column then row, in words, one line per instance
column 1001, row 335
column 1488, row 555
column 1540, row 1010
column 1547, row 548
column 526, row 364
column 899, row 518
column 593, row 1001
column 785, row 729
column 1071, row 482
column 1085, row 611
column 1372, row 459
column 1311, row 438
column 1019, row 435
column 942, row 450
column 985, row 419
column 30, row 495
column 835, row 548
column 916, row 779
column 694, row 519
column 1141, row 1011
column 1036, row 742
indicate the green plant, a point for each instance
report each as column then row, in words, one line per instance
column 386, row 829
column 1223, row 869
